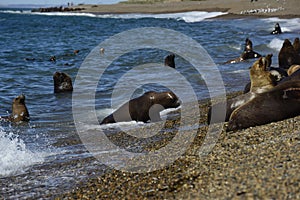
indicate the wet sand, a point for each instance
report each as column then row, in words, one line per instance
column 262, row 8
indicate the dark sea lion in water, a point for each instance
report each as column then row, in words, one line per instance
column 52, row 59
column 248, row 53
column 19, row 111
column 170, row 60
column 144, row 108
column 287, row 55
column 277, row 29
column 296, row 45
column 62, row 82
column 280, row 103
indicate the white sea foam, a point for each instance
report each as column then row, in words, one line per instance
column 14, row 155
column 189, row 17
column 275, row 44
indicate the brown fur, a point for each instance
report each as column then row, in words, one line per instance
column 293, row 69
column 19, row 110
column 144, row 108
column 287, row 55
column 296, row 45
column 261, row 79
column 280, row 103
column 62, row 82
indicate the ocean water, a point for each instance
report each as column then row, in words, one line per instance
column 45, row 157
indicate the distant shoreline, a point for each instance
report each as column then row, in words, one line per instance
column 233, row 8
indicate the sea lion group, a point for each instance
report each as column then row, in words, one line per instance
column 143, row 108
column 267, row 98
column 273, row 93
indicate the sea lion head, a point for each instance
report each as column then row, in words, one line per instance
column 261, row 78
column 165, row 99
column 19, row 110
column 62, row 82
column 287, row 55
column 248, row 45
column 169, row 60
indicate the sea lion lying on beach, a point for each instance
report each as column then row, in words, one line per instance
column 279, row 103
column 277, row 29
column 247, row 54
column 261, row 80
column 287, row 55
column 62, row 82
column 144, row 108
column 170, row 60
column 19, row 111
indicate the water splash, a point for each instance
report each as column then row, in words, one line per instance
column 14, row 155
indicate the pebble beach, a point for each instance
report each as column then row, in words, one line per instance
column 48, row 158
column 256, row 163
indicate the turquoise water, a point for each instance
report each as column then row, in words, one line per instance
column 45, row 157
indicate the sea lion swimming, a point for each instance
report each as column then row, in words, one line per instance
column 277, row 29
column 287, row 55
column 279, row 103
column 19, row 110
column 170, row 60
column 144, row 108
column 62, row 82
column 248, row 53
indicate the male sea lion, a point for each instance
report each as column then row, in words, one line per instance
column 281, row 102
column 296, row 45
column 144, row 108
column 169, row 60
column 19, row 110
column 62, row 82
column 248, row 53
column 287, row 55
column 277, row 29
